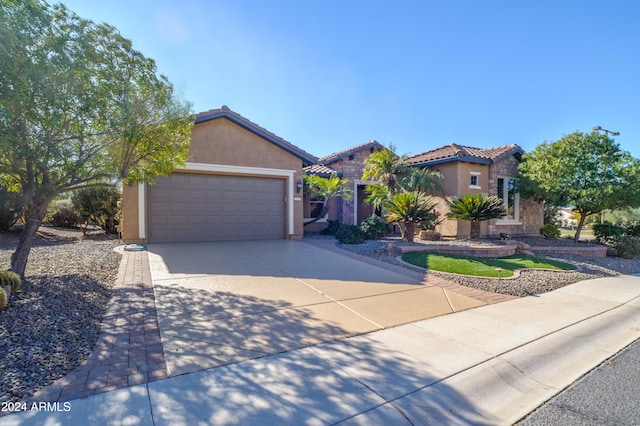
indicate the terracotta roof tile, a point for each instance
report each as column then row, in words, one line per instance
column 319, row 169
column 224, row 111
column 455, row 152
column 353, row 150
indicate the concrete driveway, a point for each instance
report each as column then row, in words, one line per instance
column 220, row 303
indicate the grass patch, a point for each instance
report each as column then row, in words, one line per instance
column 481, row 266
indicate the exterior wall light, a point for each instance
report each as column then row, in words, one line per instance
column 299, row 186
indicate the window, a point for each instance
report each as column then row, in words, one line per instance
column 474, row 181
column 511, row 200
column 315, row 207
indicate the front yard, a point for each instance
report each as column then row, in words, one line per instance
column 530, row 281
column 53, row 322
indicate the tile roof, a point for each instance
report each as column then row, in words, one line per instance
column 225, row 112
column 331, row 158
column 319, row 169
column 455, row 152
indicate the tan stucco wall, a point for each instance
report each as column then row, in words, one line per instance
column 221, row 141
column 129, row 215
column 456, row 182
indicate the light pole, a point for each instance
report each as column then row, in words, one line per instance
column 608, row 132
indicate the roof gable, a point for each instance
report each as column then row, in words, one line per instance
column 455, row 152
column 332, row 158
column 225, row 112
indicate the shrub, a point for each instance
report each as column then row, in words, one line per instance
column 607, row 233
column 550, row 231
column 98, row 206
column 626, row 246
column 8, row 278
column 62, row 214
column 3, row 299
column 374, row 227
column 11, row 208
column 633, row 230
column 332, row 227
column 350, row 234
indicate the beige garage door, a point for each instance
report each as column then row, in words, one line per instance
column 197, row 207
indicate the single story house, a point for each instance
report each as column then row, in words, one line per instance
column 241, row 182
column 468, row 170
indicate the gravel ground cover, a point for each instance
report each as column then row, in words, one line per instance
column 529, row 281
column 53, row 322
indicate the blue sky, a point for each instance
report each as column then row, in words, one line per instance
column 327, row 74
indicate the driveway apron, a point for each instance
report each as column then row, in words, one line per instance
column 220, row 303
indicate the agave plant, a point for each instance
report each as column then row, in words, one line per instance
column 407, row 209
column 476, row 208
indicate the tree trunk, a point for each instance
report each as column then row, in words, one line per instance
column 36, row 212
column 576, row 237
column 475, row 230
column 410, row 231
column 19, row 257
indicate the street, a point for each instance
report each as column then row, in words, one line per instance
column 607, row 395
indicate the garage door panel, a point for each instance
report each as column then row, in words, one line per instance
column 199, row 207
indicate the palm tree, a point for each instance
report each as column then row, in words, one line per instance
column 408, row 209
column 385, row 166
column 421, row 179
column 393, row 174
column 477, row 208
column 327, row 189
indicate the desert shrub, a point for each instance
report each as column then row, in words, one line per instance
column 8, row 278
column 98, row 206
column 11, row 208
column 62, row 214
column 626, row 246
column 332, row 227
column 350, row 234
column 607, row 233
column 374, row 227
column 3, row 299
column 550, row 231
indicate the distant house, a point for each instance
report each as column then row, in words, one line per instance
column 567, row 218
column 468, row 170
column 348, row 164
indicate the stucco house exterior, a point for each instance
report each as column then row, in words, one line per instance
column 240, row 182
column 468, row 170
column 348, row 164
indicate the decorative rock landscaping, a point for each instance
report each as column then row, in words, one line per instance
column 52, row 323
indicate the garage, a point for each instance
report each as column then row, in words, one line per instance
column 208, row 207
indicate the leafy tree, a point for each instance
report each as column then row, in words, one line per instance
column 408, row 209
column 587, row 171
column 327, row 189
column 98, row 206
column 476, row 208
column 79, row 107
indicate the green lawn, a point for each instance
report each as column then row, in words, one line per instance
column 481, row 266
column 570, row 233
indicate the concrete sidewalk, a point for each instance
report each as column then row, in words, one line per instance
column 489, row 365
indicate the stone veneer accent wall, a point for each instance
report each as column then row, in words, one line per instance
column 531, row 212
column 352, row 170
